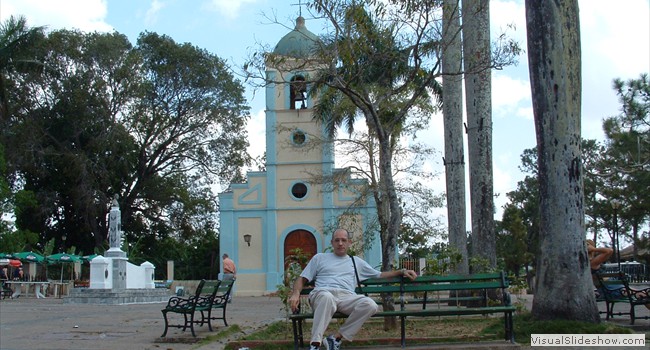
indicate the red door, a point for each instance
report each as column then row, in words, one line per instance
column 302, row 239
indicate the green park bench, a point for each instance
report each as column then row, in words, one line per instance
column 478, row 287
column 613, row 288
column 201, row 302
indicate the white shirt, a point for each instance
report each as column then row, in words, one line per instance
column 330, row 271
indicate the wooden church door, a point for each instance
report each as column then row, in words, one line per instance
column 301, row 239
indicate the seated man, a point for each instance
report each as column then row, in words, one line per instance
column 335, row 275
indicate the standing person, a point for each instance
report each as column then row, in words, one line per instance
column 335, row 281
column 18, row 274
column 229, row 269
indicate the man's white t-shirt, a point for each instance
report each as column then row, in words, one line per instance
column 330, row 271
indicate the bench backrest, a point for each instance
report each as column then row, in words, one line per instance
column 433, row 283
column 199, row 289
column 210, row 288
column 225, row 288
column 613, row 285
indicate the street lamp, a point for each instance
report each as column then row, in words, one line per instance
column 615, row 205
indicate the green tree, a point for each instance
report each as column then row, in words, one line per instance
column 17, row 56
column 512, row 243
column 17, row 41
column 627, row 162
column 158, row 124
column 553, row 33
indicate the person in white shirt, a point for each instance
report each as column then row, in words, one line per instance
column 335, row 281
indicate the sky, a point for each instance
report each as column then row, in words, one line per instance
column 615, row 39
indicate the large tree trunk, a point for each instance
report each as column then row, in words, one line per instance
column 564, row 287
column 478, row 90
column 389, row 237
column 452, row 110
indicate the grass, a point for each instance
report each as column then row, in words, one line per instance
column 437, row 330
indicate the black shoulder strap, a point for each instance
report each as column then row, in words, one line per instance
column 356, row 274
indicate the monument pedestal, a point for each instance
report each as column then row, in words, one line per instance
column 117, row 297
column 118, row 267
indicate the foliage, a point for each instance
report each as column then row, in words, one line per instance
column 295, row 262
column 17, row 42
column 159, row 124
column 445, row 260
column 626, row 168
column 511, row 241
column 418, row 200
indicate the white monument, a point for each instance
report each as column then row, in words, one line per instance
column 113, row 280
column 115, row 252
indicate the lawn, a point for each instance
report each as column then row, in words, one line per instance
column 432, row 330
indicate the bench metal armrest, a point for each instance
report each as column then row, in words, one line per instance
column 180, row 303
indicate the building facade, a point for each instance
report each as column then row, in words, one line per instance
column 301, row 197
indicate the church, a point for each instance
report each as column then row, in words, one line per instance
column 295, row 202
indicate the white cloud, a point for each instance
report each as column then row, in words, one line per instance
column 85, row 15
column 230, row 8
column 508, row 92
column 256, row 128
column 504, row 14
column 151, row 17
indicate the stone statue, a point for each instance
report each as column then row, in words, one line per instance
column 115, row 225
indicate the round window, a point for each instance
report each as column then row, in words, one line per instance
column 299, row 190
column 298, row 137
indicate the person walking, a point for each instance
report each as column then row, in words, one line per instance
column 229, row 269
column 335, row 276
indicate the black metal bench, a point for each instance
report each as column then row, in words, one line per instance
column 478, row 285
column 7, row 292
column 613, row 288
column 221, row 300
column 201, row 301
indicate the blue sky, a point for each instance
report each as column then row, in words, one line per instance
column 615, row 44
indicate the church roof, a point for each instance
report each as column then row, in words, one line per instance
column 299, row 43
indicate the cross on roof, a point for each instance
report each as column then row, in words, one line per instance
column 300, row 8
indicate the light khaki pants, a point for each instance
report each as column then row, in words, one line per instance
column 325, row 303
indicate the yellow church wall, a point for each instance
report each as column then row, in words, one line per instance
column 250, row 284
column 251, row 197
column 313, row 218
column 250, row 257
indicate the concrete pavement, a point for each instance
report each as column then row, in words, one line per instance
column 30, row 323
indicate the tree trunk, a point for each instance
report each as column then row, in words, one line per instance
column 478, row 90
column 452, row 110
column 564, row 287
column 389, row 237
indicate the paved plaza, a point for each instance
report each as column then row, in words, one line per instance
column 30, row 323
